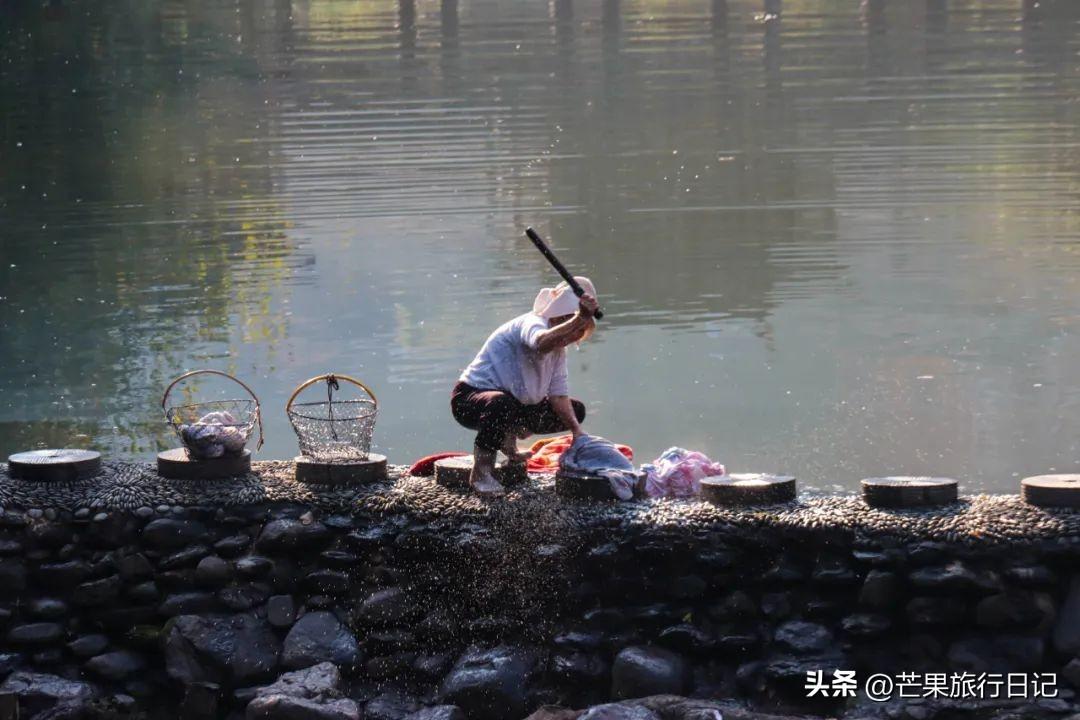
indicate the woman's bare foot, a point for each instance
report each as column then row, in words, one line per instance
column 482, row 477
column 510, row 449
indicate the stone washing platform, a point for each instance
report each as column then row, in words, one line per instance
column 259, row 597
column 978, row 519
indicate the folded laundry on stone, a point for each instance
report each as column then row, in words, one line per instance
column 593, row 456
column 425, row 466
column 546, row 453
column 678, row 473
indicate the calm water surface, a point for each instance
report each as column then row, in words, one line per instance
column 832, row 239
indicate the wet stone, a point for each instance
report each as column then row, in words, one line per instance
column 1008, row 610
column 389, row 607
column 320, row 637
column 115, row 666
column 213, row 572
column 880, row 590
column 87, row 646
column 1031, row 575
column 955, row 577
column 438, row 712
column 244, row 596
column 329, row 582
column 866, row 625
column 935, row 611
column 582, row 669
column 187, row 557
column 144, row 593
column 281, row 611
column 803, row 637
column 97, row 592
column 35, row 634
column 232, row 546
column 489, row 684
column 287, row 535
column 254, row 566
column 642, row 671
column 134, row 567
column 687, row 638
column 172, row 533
column 776, row 605
column 188, row 603
column 432, row 666
column 47, row 608
column 12, row 576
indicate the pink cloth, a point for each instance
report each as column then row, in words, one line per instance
column 678, row 473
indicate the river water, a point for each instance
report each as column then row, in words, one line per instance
column 832, row 239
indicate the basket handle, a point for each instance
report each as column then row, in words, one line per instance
column 308, row 383
column 185, row 376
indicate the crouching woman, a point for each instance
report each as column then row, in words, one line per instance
column 517, row 384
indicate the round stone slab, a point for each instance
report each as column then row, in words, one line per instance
column 748, row 489
column 357, row 472
column 1051, row 490
column 909, row 492
column 454, row 472
column 583, row 487
column 176, row 465
column 61, row 465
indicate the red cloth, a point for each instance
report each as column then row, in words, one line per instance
column 546, row 453
column 425, row 466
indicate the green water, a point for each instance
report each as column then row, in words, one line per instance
column 836, row 242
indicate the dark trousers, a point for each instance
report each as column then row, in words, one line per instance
column 494, row 413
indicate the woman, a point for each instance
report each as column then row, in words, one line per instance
column 517, row 383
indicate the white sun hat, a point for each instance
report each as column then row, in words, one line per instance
column 560, row 300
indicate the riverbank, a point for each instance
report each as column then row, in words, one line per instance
column 136, row 588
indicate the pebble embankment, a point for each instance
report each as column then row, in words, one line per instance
column 976, row 519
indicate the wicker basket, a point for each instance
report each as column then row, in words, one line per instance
column 214, row 428
column 333, row 430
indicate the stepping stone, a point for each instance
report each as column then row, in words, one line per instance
column 583, row 487
column 901, row 491
column 354, row 472
column 748, row 489
column 176, row 465
column 454, row 472
column 62, row 465
column 1051, row 490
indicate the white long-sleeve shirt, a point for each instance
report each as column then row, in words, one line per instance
column 509, row 361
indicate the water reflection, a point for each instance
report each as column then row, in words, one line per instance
column 834, row 240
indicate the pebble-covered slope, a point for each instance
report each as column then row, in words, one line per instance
column 982, row 519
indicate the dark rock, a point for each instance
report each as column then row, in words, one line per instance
column 201, row 700
column 241, row 648
column 48, row 657
column 329, row 582
column 737, row 605
column 62, row 575
column 287, row 535
column 232, row 546
column 927, row 553
column 641, row 671
column 1066, row 634
column 36, row 634
column 579, row 640
column 1071, row 673
column 784, row 573
column 318, row 682
column 803, row 637
column 388, row 641
column 583, row 669
column 687, row 638
column 212, row 571
column 283, row 707
column 1013, row 609
column 489, row 684
column 866, row 625
column 776, row 605
column 245, row 596
column 833, row 571
column 117, row 665
column 188, row 603
column 12, row 576
column 165, row 534
column 10, row 662
column 432, row 667
column 688, row 587
column 176, row 580
column 47, row 608
column 144, row 593
column 438, row 712
column 935, row 611
column 88, row 645
column 10, row 547
column 281, row 611
column 955, row 577
column 389, row 607
column 389, row 706
column 134, row 567
column 737, row 643
column 340, row 559
column 40, row 692
column 880, row 590
column 254, row 566
column 370, row 538
column 320, row 637
column 619, row 711
column 1004, row 654
column 187, row 557
column 97, row 592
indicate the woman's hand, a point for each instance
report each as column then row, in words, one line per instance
column 587, row 305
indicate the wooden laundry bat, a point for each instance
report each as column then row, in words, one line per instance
column 559, row 267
